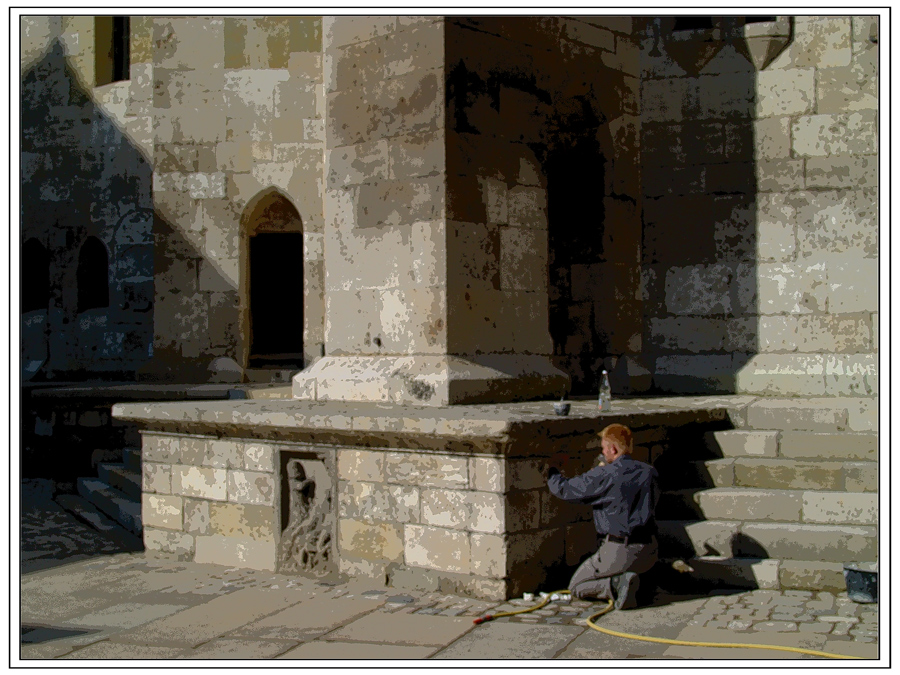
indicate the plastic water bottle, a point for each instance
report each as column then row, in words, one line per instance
column 604, row 401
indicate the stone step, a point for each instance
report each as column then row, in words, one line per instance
column 771, row 505
column 131, row 457
column 843, row 446
column 270, row 375
column 777, row 540
column 122, row 479
column 764, row 573
column 113, row 503
column 90, row 514
column 778, row 474
column 813, row 414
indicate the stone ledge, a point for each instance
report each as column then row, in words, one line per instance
column 530, row 427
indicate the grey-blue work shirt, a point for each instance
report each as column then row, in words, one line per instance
column 623, row 494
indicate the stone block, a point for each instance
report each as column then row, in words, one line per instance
column 851, row 375
column 202, row 482
column 446, row 508
column 426, row 470
column 494, row 196
column 199, row 451
column 685, row 539
column 785, row 92
column 156, row 478
column 523, row 259
column 838, row 222
column 251, row 487
column 863, row 413
column 749, row 504
column 699, row 290
column 694, row 373
column 828, row 543
column 821, row 415
column 772, row 138
column 236, row 551
column 828, row 446
column 590, row 35
column 527, row 207
column 525, row 474
column 162, row 511
column 788, row 474
column 822, row 42
column 852, row 133
column 486, row 512
column 854, row 87
column 488, row 555
column 258, row 456
column 861, row 477
column 783, row 374
column 242, row 520
column 380, row 542
column 338, row 31
column 842, row 172
column 488, row 474
column 196, row 516
column 852, row 285
column 776, row 230
column 663, row 100
column 437, row 548
column 688, row 334
column 357, row 164
column 169, row 541
column 160, row 448
column 416, row 156
column 792, row 288
column 523, row 510
column 779, row 175
column 812, row 576
column 835, row 508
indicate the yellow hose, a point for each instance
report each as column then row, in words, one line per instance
column 664, row 641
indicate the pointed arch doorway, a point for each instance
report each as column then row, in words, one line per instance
column 273, row 298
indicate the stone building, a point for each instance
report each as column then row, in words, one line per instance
column 450, row 210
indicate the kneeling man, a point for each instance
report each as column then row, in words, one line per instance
column 623, row 493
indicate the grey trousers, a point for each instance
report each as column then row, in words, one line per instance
column 592, row 578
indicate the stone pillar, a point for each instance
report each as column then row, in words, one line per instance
column 397, row 328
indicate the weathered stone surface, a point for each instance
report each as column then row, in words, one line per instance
column 825, row 446
column 749, row 504
column 236, row 551
column 788, row 474
column 251, row 487
column 437, row 548
column 840, row 508
column 202, row 482
column 739, row 443
column 360, row 465
column 828, row 543
column 242, row 520
column 687, row 538
column 816, row 414
column 169, row 541
column 861, row 476
column 382, row 542
column 196, row 516
column 164, row 511
column 426, row 470
column 812, row 575
column 156, row 478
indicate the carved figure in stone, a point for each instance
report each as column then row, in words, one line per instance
column 306, row 541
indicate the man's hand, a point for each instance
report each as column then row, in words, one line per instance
column 555, row 464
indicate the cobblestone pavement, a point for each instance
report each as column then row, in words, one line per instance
column 98, row 604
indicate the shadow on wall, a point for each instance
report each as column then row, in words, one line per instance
column 700, row 205
column 86, row 225
column 651, row 194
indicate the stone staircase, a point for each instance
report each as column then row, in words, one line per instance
column 782, row 502
column 111, row 502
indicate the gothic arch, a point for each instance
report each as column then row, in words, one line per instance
column 271, row 290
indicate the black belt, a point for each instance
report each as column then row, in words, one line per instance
column 633, row 539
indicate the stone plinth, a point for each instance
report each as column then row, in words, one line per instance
column 448, row 498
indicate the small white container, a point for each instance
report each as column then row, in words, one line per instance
column 528, row 597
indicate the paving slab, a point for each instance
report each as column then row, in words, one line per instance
column 311, row 618
column 403, row 629
column 511, row 641
column 112, row 650
column 696, row 634
column 124, row 615
column 48, row 607
column 322, row 649
column 227, row 648
column 194, row 626
column 665, row 621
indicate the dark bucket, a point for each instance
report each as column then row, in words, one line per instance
column 862, row 581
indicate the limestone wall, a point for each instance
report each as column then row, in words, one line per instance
column 542, row 120
column 759, row 197
column 85, row 175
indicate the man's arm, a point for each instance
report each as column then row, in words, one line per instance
column 581, row 489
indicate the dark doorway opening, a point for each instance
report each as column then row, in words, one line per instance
column 276, row 300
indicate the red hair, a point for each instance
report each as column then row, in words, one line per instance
column 620, row 436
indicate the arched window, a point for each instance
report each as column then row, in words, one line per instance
column 92, row 275
column 35, row 276
column 112, row 42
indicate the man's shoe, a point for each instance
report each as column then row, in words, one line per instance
column 625, row 587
